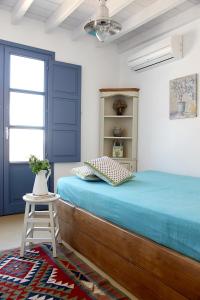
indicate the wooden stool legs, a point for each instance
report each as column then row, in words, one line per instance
column 52, row 226
column 24, row 234
column 32, row 223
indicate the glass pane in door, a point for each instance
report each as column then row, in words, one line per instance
column 26, row 109
column 25, row 142
column 27, row 73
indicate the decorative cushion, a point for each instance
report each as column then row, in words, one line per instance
column 85, row 173
column 109, row 170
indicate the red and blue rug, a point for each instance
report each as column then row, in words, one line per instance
column 39, row 276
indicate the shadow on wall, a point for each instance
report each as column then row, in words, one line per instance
column 189, row 40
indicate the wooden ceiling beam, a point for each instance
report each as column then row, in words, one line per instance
column 62, row 13
column 20, row 9
column 115, row 6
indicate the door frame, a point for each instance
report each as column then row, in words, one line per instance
column 1, row 127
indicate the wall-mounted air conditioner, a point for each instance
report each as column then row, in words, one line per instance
column 167, row 50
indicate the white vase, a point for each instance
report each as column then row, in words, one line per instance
column 40, row 185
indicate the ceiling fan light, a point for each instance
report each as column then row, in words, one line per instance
column 103, row 27
column 102, row 35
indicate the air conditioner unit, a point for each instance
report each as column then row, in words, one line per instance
column 167, row 50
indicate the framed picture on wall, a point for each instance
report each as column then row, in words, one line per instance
column 183, row 97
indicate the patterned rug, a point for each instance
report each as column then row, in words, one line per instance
column 39, row 276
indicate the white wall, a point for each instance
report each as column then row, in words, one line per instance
column 167, row 145
column 99, row 69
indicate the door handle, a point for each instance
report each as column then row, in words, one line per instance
column 7, row 133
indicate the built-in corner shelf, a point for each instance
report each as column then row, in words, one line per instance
column 127, row 121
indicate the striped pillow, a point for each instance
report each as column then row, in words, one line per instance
column 109, row 170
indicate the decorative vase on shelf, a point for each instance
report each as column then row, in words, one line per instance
column 40, row 185
column 117, row 131
column 119, row 106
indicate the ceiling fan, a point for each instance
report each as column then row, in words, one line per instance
column 102, row 26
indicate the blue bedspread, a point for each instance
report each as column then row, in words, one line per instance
column 161, row 206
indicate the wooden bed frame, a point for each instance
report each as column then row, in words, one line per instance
column 149, row 271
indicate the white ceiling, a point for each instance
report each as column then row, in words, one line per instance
column 136, row 16
column 161, row 19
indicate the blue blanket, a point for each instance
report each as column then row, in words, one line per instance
column 160, row 206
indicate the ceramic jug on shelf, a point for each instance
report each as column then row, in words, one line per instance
column 40, row 185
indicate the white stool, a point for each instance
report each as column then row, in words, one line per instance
column 33, row 217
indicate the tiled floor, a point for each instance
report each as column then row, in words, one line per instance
column 10, row 237
column 10, row 231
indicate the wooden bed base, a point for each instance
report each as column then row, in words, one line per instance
column 149, row 271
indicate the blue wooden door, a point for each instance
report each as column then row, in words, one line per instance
column 25, row 96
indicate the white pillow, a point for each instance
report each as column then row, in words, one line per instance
column 109, row 170
column 85, row 173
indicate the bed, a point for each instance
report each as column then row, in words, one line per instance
column 145, row 233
